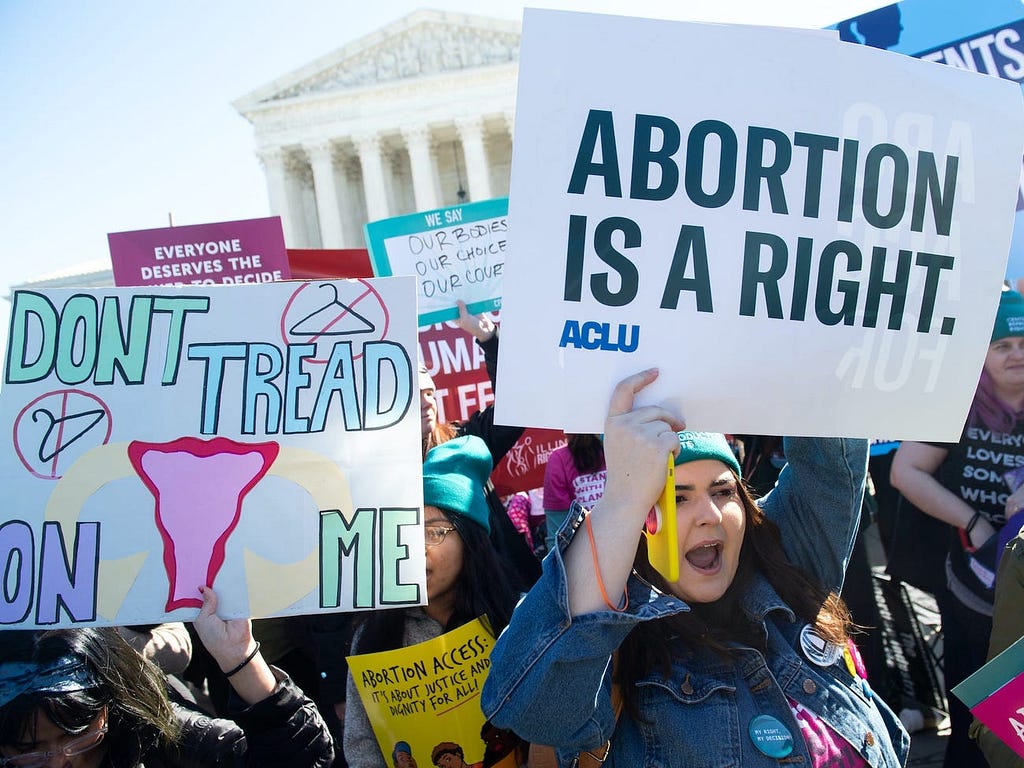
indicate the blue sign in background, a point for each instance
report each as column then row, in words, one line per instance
column 981, row 35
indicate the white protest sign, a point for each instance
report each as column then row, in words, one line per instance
column 806, row 237
column 263, row 440
column 454, row 253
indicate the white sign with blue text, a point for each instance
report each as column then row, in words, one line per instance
column 805, row 236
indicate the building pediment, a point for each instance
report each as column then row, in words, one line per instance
column 422, row 44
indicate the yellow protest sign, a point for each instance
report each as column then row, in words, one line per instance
column 425, row 700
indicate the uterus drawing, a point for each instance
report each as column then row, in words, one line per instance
column 199, row 486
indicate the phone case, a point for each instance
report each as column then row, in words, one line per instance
column 662, row 543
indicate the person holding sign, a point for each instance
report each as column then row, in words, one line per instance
column 745, row 657
column 85, row 697
column 498, row 438
column 975, row 486
column 465, row 577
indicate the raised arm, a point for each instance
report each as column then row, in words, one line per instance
column 499, row 439
column 282, row 726
column 816, row 503
column 913, row 475
column 637, row 443
column 235, row 650
column 550, row 678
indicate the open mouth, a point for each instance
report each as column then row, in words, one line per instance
column 705, row 558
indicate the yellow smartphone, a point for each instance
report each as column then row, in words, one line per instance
column 660, row 529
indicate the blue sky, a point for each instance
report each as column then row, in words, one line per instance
column 119, row 113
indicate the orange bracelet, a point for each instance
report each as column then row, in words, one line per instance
column 597, row 570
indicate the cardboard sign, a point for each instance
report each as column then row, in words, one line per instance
column 454, row 253
column 804, row 236
column 984, row 36
column 225, row 253
column 246, row 438
column 995, row 694
column 427, row 696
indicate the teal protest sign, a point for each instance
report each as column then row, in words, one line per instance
column 454, row 253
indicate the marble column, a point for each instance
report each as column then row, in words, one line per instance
column 321, row 161
column 510, row 124
column 275, row 168
column 372, row 162
column 424, row 181
column 471, row 132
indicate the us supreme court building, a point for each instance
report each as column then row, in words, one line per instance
column 415, row 116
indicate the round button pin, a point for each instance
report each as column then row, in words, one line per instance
column 817, row 649
column 770, row 736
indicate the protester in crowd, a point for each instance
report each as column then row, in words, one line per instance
column 86, row 698
column 465, row 579
column 574, row 472
column 519, row 508
column 1007, row 628
column 332, row 634
column 746, row 656
column 499, row 440
column 964, row 485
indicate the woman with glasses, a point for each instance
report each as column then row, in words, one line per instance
column 464, row 576
column 83, row 698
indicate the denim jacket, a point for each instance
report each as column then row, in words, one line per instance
column 550, row 675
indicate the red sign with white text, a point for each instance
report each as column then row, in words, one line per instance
column 456, row 363
column 223, row 253
column 523, row 466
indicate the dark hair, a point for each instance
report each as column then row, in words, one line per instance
column 132, row 689
column 587, row 452
column 650, row 644
column 484, row 588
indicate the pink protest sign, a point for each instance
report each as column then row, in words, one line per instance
column 995, row 694
column 223, row 253
column 1003, row 712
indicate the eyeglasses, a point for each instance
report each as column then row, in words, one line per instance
column 76, row 746
column 433, row 535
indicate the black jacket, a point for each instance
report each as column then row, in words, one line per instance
column 285, row 730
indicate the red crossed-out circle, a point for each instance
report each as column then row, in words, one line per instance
column 356, row 295
column 46, row 436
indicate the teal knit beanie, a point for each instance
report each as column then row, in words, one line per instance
column 454, row 477
column 694, row 446
column 1009, row 316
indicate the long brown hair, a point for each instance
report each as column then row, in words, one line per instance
column 652, row 644
column 441, row 433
